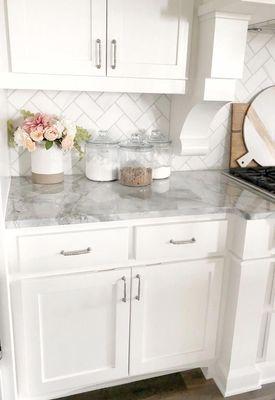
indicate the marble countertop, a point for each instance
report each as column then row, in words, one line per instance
column 79, row 200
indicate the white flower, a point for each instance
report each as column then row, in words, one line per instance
column 51, row 133
column 20, row 137
column 59, row 127
column 70, row 127
column 67, row 143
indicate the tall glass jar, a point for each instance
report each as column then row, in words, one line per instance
column 102, row 158
column 135, row 159
column 162, row 154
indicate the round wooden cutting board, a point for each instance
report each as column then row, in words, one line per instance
column 259, row 130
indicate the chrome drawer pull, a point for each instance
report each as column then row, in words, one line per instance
column 139, row 281
column 124, row 299
column 98, row 64
column 114, row 46
column 76, row 252
column 190, row 241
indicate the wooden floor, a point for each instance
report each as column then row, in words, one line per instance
column 187, row 386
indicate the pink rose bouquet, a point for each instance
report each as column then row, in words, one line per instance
column 47, row 130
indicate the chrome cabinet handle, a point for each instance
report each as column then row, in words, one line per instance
column 176, row 242
column 98, row 44
column 76, row 252
column 124, row 298
column 139, row 287
column 114, row 48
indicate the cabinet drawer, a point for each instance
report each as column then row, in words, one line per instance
column 180, row 241
column 72, row 250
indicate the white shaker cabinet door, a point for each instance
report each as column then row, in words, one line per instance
column 148, row 38
column 174, row 314
column 76, row 331
column 58, row 36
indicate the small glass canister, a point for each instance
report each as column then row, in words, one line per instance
column 135, row 159
column 162, row 154
column 102, row 158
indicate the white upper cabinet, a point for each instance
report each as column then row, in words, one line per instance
column 174, row 314
column 148, row 38
column 135, row 46
column 76, row 331
column 58, row 36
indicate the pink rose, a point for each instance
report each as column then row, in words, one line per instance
column 67, row 143
column 51, row 133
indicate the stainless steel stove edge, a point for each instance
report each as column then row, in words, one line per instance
column 255, row 189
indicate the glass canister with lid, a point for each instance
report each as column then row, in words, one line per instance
column 135, row 159
column 162, row 154
column 102, row 158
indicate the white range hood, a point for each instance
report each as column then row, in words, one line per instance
column 217, row 62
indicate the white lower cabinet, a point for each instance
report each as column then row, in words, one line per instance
column 77, row 327
column 80, row 323
column 76, row 331
column 174, row 314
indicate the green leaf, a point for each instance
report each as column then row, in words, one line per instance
column 48, row 145
column 26, row 114
column 11, row 130
column 82, row 135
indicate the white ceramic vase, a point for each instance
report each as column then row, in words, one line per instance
column 47, row 165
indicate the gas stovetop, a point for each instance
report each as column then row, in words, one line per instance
column 261, row 179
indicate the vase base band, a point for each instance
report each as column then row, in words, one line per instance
column 47, row 179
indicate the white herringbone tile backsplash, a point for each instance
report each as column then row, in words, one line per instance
column 123, row 113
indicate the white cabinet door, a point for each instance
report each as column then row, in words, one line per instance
column 148, row 38
column 76, row 331
column 174, row 314
column 58, row 36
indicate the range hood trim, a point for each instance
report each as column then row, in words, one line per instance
column 220, row 51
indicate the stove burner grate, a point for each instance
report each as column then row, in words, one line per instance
column 261, row 177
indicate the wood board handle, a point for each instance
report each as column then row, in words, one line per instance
column 245, row 160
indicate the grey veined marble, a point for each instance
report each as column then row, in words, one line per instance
column 79, row 200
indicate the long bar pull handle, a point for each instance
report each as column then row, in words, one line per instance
column 76, row 252
column 139, row 287
column 114, row 49
column 124, row 298
column 177, row 242
column 98, row 44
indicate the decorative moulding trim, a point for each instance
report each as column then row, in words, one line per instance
column 238, row 381
column 225, row 15
column 267, row 372
column 194, row 146
column 96, row 84
column 194, row 135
